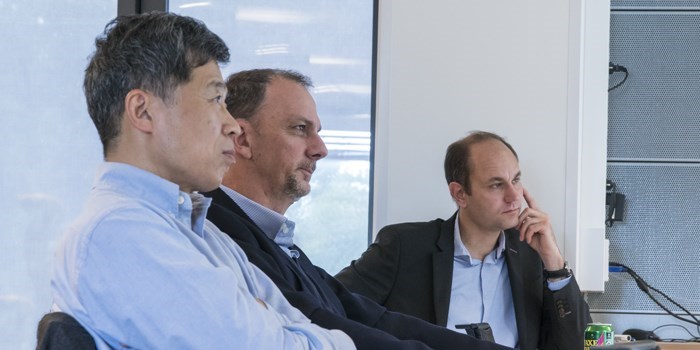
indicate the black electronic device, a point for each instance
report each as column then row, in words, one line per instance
column 635, row 345
column 615, row 203
column 640, row 334
column 478, row 330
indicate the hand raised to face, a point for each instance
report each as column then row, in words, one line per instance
column 536, row 229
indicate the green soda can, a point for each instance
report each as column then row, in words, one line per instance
column 598, row 334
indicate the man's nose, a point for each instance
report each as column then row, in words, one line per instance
column 513, row 193
column 231, row 126
column 317, row 148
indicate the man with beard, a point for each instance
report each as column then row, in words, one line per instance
column 277, row 151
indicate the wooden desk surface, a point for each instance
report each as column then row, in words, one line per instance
column 679, row 346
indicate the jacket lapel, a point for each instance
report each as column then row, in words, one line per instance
column 304, row 272
column 219, row 197
column 442, row 270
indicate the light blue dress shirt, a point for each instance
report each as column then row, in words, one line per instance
column 275, row 225
column 142, row 268
column 481, row 291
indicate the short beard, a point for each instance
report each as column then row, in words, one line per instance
column 293, row 188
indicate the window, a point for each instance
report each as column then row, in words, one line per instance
column 50, row 148
column 331, row 42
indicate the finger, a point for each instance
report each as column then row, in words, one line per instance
column 532, row 230
column 529, row 200
column 526, row 196
column 526, row 213
column 528, row 216
column 521, row 229
column 525, row 231
column 523, row 225
column 529, row 223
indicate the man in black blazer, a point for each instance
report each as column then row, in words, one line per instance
column 276, row 152
column 494, row 248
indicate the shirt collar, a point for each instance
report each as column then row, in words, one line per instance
column 461, row 251
column 146, row 186
column 275, row 225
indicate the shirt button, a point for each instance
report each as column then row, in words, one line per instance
column 180, row 200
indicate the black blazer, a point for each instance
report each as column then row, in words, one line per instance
column 326, row 301
column 409, row 267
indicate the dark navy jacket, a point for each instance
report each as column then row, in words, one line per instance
column 326, row 301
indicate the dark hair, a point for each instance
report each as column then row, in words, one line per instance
column 457, row 167
column 246, row 89
column 155, row 52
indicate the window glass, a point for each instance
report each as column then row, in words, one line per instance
column 50, row 149
column 331, row 42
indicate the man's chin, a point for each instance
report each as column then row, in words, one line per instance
column 208, row 187
column 298, row 190
column 303, row 192
column 511, row 224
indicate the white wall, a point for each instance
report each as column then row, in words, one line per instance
column 514, row 68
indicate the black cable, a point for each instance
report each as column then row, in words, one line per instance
column 645, row 287
column 694, row 338
column 617, row 68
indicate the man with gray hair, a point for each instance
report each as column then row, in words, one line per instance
column 141, row 267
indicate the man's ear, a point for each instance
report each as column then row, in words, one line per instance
column 458, row 194
column 136, row 105
column 243, row 140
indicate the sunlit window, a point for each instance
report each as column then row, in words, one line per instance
column 50, row 149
